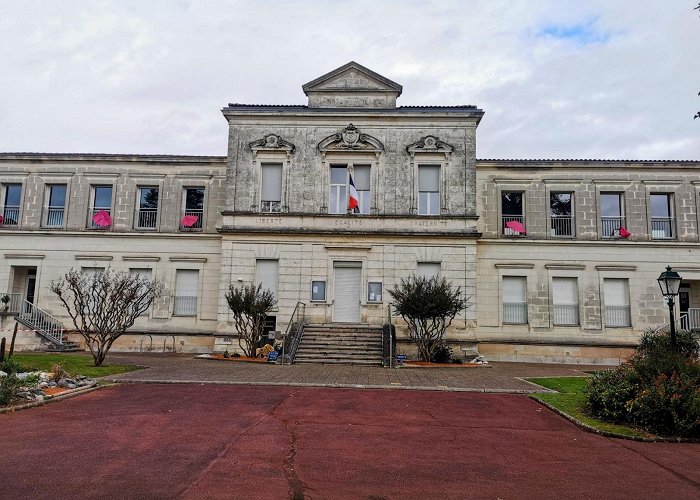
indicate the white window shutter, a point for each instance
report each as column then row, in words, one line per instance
column 271, row 182
column 266, row 274
column 514, row 289
column 616, row 292
column 429, row 178
column 564, row 291
column 187, row 282
column 428, row 269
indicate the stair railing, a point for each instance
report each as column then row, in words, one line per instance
column 292, row 336
column 41, row 321
column 680, row 322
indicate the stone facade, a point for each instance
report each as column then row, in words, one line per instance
column 273, row 208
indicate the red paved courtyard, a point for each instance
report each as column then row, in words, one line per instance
column 223, row 441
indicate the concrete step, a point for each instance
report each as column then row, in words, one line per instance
column 334, row 341
column 337, row 348
column 340, row 362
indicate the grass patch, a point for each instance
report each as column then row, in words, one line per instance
column 74, row 364
column 572, row 401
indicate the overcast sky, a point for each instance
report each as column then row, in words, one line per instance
column 557, row 79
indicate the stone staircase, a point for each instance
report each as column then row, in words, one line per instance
column 341, row 344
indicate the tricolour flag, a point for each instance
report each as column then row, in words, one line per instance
column 354, row 198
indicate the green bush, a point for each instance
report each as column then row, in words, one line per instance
column 11, row 366
column 669, row 405
column 657, row 389
column 609, row 393
column 441, row 353
column 8, row 388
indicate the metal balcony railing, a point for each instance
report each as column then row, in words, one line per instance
column 185, row 305
column 506, row 231
column 692, row 320
column 199, row 213
column 14, row 304
column 663, row 228
column 617, row 316
column 146, row 218
column 515, row 312
column 610, row 226
column 54, row 217
column 94, row 212
column 271, row 206
column 562, row 225
column 565, row 314
column 10, row 217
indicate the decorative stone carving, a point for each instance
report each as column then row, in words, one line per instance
column 429, row 144
column 271, row 142
column 350, row 139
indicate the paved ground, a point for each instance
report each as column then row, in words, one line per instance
column 235, row 441
column 496, row 377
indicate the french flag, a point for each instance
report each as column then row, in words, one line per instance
column 354, row 198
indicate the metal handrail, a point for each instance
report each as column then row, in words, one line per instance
column 292, row 336
column 166, row 340
column 41, row 321
column 141, row 344
column 679, row 323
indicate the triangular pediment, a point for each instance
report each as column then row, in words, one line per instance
column 352, row 76
column 352, row 86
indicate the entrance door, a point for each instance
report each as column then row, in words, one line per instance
column 29, row 294
column 683, row 306
column 346, row 291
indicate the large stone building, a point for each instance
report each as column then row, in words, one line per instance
column 569, row 284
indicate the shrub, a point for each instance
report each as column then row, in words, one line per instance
column 10, row 366
column 657, row 389
column 8, row 388
column 441, row 353
column 58, row 372
column 669, row 405
column 610, row 391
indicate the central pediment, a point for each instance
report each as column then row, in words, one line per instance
column 352, row 86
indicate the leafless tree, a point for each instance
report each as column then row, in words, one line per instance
column 104, row 305
column 250, row 306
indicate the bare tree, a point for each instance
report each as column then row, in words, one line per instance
column 428, row 306
column 104, row 305
column 250, row 306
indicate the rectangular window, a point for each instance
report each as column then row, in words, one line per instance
column 611, row 214
column 565, row 301
column 147, row 214
column 428, row 190
column 428, row 269
column 266, row 274
column 561, row 214
column 55, row 209
column 318, row 291
column 339, row 196
column 512, row 214
column 617, row 302
column 186, row 288
column 362, row 181
column 101, row 204
column 12, row 197
column 193, row 209
column 663, row 223
column 374, row 291
column 514, row 299
column 271, row 188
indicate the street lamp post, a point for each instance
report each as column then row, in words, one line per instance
column 670, row 283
